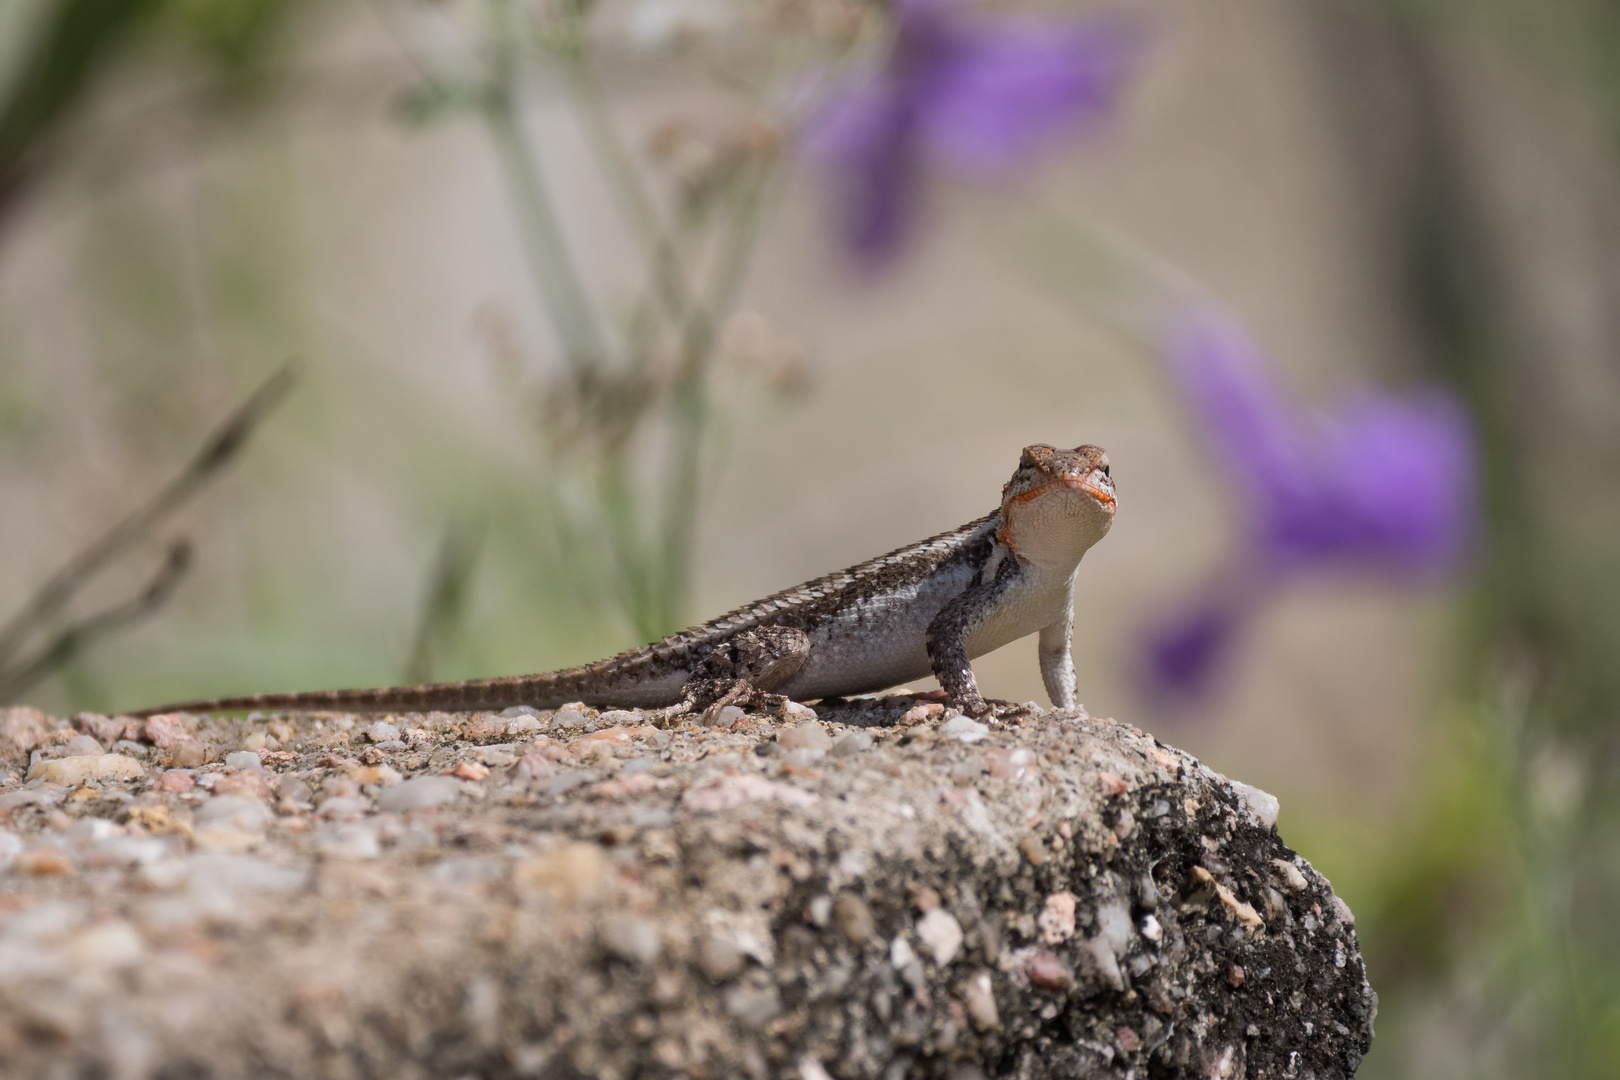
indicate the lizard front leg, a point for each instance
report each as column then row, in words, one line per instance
column 1057, row 662
column 946, row 641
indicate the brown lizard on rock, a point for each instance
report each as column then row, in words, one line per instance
column 927, row 608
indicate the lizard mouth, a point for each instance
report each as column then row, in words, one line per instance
column 1101, row 496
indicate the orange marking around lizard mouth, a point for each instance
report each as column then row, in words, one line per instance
column 1103, row 499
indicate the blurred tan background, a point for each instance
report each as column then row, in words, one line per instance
column 179, row 248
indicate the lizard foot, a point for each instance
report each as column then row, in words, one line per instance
column 742, row 672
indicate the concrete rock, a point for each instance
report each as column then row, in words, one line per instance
column 940, row 899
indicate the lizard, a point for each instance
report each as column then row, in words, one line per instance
column 928, row 608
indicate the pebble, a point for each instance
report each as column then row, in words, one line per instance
column 1009, row 763
column 807, row 736
column 980, row 998
column 189, row 755
column 620, row 718
column 901, row 953
column 1047, row 971
column 917, row 714
column 854, row 918
column 520, row 711
column 104, row 728
column 233, row 812
column 243, row 759
column 796, row 713
column 11, row 846
column 851, row 744
column 165, row 731
column 1056, row 920
column 940, row 931
column 498, row 755
column 44, row 862
column 730, row 792
column 719, row 958
column 632, row 939
column 81, row 746
column 1114, row 925
column 964, row 729
column 1289, row 877
column 250, row 783
column 803, row 759
column 753, row 1007
column 418, row 794
column 343, row 807
column 350, row 840
column 1099, row 956
column 1263, row 806
column 523, row 725
column 568, row 718
column 533, row 766
column 1151, row 929
column 293, row 789
column 174, row 782
column 29, row 797
column 382, row 731
column 470, row 770
column 725, row 719
column 73, row 771
column 484, row 730
column 23, row 727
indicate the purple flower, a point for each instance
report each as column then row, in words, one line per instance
column 978, row 95
column 1384, row 483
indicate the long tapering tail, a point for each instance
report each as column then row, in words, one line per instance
column 498, row 693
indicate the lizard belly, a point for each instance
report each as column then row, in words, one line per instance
column 878, row 642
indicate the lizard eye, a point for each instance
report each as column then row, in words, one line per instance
column 1106, row 473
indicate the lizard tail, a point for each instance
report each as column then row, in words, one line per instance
column 497, row 693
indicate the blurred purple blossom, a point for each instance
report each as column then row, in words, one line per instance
column 1384, row 483
column 981, row 95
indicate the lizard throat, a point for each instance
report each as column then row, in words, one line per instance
column 1054, row 523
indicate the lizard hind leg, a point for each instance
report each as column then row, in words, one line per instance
column 742, row 671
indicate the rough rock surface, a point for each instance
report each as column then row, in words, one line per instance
column 891, row 892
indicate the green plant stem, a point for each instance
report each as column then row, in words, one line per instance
column 690, row 405
column 562, row 291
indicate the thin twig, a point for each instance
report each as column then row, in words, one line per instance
column 445, row 600
column 223, row 444
column 72, row 641
column 562, row 290
column 691, row 399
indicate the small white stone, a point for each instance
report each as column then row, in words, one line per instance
column 633, row 939
column 568, row 718
column 522, row 725
column 419, row 793
column 940, row 931
column 1263, row 806
column 72, row 771
column 1151, row 929
column 811, row 735
column 851, row 744
column 900, row 952
column 796, row 713
column 979, row 996
column 242, row 759
column 964, row 729
column 382, row 731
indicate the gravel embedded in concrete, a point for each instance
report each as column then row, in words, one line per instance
column 880, row 889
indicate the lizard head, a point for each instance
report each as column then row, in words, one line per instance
column 1057, row 504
